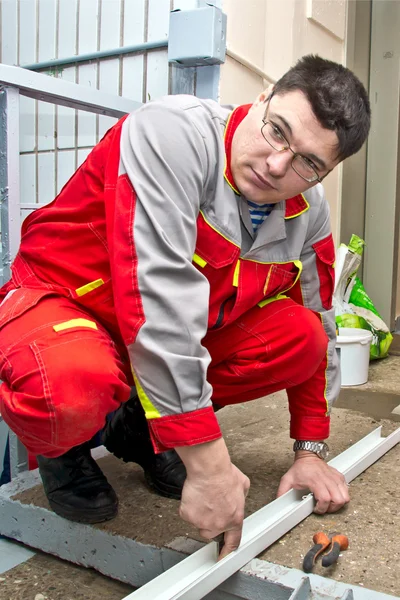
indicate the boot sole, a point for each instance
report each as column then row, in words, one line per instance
column 88, row 517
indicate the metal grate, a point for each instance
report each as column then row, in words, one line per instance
column 54, row 141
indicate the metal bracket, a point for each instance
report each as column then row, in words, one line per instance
column 303, row 591
column 197, row 37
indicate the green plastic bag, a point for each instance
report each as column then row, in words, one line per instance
column 363, row 306
column 353, row 306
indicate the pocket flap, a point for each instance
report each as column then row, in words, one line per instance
column 325, row 250
column 18, row 301
column 212, row 247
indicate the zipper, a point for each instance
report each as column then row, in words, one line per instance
column 221, row 312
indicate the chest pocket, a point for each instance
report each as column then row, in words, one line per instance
column 281, row 278
column 216, row 257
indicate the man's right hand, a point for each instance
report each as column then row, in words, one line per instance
column 214, row 493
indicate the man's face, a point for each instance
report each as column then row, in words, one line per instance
column 265, row 175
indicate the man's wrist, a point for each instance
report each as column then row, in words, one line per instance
column 305, row 454
column 206, row 459
column 317, row 448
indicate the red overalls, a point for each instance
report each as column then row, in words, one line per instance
column 64, row 362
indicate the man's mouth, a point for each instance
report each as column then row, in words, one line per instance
column 261, row 182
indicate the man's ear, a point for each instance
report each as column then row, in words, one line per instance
column 264, row 96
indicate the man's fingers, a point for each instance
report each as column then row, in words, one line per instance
column 344, row 487
column 284, row 486
column 231, row 542
column 340, row 499
column 246, row 487
column 332, row 496
column 323, row 499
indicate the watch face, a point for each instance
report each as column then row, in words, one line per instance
column 324, row 451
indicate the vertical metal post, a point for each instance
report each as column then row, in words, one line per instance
column 18, row 456
column 208, row 78
column 200, row 81
column 9, row 178
column 3, row 442
column 10, row 227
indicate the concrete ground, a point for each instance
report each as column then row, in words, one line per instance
column 257, row 435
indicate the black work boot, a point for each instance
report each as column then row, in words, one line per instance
column 76, row 488
column 127, row 436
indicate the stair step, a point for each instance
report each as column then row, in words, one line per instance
column 380, row 396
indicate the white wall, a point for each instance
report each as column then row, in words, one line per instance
column 273, row 34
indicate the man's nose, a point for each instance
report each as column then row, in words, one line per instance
column 279, row 162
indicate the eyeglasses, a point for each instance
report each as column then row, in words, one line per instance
column 300, row 164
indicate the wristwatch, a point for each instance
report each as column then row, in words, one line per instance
column 319, row 448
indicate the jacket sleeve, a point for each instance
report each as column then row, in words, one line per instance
column 310, row 402
column 161, row 299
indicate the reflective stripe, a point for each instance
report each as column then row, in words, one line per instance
column 326, row 382
column 326, row 372
column 199, row 261
column 226, row 162
column 85, row 289
column 150, row 411
column 274, row 299
column 236, row 274
column 298, row 264
column 75, row 323
column 267, row 281
column 302, row 211
column 228, row 182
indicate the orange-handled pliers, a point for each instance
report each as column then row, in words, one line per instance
column 332, row 545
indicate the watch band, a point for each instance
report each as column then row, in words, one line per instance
column 321, row 449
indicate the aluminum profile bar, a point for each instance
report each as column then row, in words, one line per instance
column 31, row 205
column 79, row 58
column 9, row 177
column 65, row 93
column 199, row 574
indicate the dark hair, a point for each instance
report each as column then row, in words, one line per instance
column 338, row 99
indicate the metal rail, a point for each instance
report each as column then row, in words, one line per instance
column 64, row 93
column 15, row 81
column 80, row 58
column 199, row 574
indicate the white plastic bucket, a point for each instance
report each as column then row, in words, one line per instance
column 353, row 346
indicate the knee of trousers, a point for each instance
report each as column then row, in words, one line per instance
column 64, row 396
column 310, row 341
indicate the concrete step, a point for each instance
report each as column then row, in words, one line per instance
column 380, row 397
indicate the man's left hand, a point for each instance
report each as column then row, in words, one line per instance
column 326, row 483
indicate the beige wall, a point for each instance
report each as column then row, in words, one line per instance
column 273, row 34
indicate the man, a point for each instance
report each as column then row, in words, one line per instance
column 190, row 256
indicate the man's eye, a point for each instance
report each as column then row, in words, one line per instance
column 309, row 163
column 278, row 133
